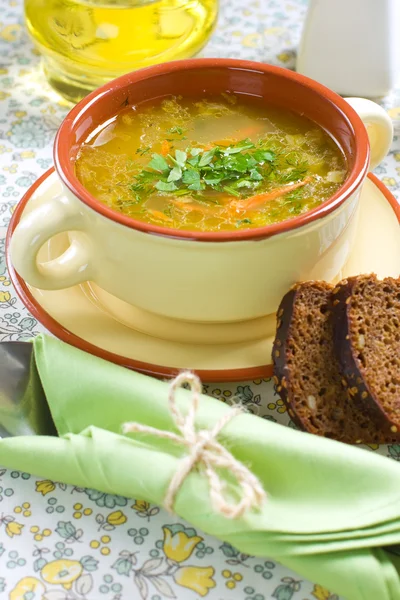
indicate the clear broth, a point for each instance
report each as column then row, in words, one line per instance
column 275, row 164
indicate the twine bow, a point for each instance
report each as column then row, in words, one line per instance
column 203, row 448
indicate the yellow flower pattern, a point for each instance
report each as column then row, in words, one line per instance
column 28, row 587
column 45, row 487
column 179, row 543
column 116, row 518
column 12, row 528
column 198, row 579
column 5, row 297
column 9, row 33
column 141, row 505
column 63, row 572
column 59, row 542
column 144, row 509
column 389, row 181
column 321, row 593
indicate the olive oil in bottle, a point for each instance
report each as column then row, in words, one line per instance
column 85, row 43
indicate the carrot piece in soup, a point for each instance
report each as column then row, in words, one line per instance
column 260, row 199
column 189, row 207
column 159, row 215
column 165, row 148
column 224, row 143
column 247, row 132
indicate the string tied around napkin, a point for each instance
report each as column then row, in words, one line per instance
column 204, row 449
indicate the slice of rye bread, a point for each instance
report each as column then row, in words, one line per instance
column 366, row 317
column 307, row 373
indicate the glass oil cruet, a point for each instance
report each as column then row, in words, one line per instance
column 85, row 43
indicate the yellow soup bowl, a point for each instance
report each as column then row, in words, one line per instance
column 201, row 276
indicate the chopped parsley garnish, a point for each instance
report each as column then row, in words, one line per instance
column 243, row 222
column 142, row 151
column 238, row 170
column 158, row 163
column 177, row 130
column 241, row 170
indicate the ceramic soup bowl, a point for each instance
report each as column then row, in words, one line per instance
column 201, row 276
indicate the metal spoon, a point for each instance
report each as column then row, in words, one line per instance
column 23, row 406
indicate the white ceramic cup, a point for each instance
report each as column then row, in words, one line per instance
column 196, row 276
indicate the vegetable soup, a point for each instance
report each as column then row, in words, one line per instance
column 210, row 165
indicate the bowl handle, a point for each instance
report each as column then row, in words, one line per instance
column 379, row 128
column 57, row 215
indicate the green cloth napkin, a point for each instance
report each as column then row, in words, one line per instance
column 330, row 510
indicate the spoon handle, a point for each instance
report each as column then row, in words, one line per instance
column 23, row 406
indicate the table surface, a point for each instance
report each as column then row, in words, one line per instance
column 58, row 542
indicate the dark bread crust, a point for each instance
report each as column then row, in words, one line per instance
column 346, row 353
column 304, row 322
column 279, row 349
column 285, row 332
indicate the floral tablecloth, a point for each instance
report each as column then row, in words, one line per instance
column 63, row 543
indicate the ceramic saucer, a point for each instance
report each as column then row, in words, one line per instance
column 93, row 320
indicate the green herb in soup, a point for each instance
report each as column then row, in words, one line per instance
column 211, row 165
